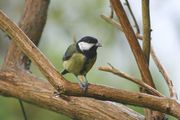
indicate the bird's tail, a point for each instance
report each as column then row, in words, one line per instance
column 63, row 72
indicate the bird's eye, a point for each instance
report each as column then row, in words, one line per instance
column 88, row 41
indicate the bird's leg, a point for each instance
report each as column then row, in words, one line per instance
column 81, row 82
column 86, row 81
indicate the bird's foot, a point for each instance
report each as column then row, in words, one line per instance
column 57, row 94
column 84, row 86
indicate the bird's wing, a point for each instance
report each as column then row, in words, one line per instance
column 69, row 52
column 87, row 65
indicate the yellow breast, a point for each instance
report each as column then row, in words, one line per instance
column 75, row 63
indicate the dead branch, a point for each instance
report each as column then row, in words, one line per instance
column 133, row 17
column 164, row 73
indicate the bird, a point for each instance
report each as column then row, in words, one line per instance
column 80, row 57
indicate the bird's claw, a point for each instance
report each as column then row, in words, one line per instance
column 57, row 94
column 84, row 86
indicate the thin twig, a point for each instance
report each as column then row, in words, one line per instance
column 23, row 109
column 128, row 77
column 164, row 73
column 116, row 24
column 133, row 17
column 113, row 22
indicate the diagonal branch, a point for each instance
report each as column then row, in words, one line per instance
column 164, row 73
column 117, row 25
column 32, row 51
column 133, row 17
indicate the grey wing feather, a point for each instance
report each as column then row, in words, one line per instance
column 69, row 52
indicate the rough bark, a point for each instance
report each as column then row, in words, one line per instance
column 20, row 84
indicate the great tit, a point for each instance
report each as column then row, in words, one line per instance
column 80, row 57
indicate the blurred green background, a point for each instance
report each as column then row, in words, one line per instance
column 82, row 18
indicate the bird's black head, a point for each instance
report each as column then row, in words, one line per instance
column 88, row 46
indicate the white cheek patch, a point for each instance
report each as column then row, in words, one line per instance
column 85, row 46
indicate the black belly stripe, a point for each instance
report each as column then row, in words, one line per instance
column 83, row 70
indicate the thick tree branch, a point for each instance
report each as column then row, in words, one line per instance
column 32, row 23
column 24, row 42
column 162, row 104
column 27, row 87
column 135, row 47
